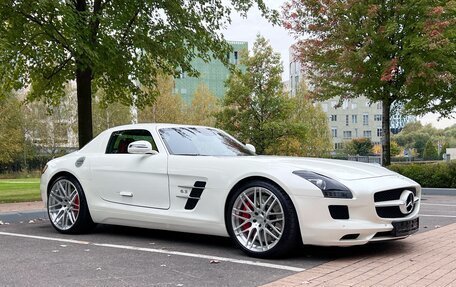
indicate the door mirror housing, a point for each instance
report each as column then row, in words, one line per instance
column 141, row 147
column 251, row 148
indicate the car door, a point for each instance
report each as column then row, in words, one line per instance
column 132, row 179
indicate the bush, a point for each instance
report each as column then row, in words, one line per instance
column 441, row 174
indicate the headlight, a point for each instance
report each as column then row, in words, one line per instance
column 329, row 187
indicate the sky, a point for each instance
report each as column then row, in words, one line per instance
column 246, row 29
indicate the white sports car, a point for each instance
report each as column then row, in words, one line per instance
column 201, row 180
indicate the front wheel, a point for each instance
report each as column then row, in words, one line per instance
column 262, row 221
column 67, row 206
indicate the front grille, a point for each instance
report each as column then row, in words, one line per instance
column 390, row 198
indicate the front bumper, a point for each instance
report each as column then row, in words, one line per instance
column 363, row 225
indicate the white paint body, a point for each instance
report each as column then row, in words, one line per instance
column 155, row 183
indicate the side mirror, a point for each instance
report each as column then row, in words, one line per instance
column 141, row 147
column 250, row 148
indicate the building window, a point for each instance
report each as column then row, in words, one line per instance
column 365, row 119
column 338, row 146
column 333, row 104
column 235, row 57
column 354, row 119
column 367, row 134
column 347, row 135
column 345, row 105
column 347, row 118
column 354, row 106
column 379, row 132
column 379, row 105
column 333, row 118
column 334, row 132
column 356, row 133
column 378, row 118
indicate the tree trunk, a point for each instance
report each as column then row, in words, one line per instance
column 386, row 135
column 84, row 92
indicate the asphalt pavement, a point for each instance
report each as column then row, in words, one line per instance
column 33, row 253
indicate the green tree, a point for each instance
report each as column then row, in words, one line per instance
column 117, row 46
column 313, row 137
column 360, row 146
column 11, row 132
column 255, row 108
column 203, row 107
column 430, row 151
column 395, row 148
column 167, row 107
column 106, row 116
column 394, row 52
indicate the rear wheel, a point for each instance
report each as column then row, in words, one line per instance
column 262, row 221
column 67, row 206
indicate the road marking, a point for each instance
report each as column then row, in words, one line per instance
column 161, row 251
column 439, row 204
column 437, row 215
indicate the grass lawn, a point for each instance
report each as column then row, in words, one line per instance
column 19, row 190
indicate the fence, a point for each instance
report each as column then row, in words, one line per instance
column 369, row 159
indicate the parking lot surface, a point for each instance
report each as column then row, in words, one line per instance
column 33, row 253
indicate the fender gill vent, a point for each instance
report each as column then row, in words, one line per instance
column 195, row 194
column 80, row 161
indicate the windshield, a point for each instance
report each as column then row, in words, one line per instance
column 201, row 141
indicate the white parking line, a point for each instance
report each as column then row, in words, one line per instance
column 438, row 215
column 161, row 251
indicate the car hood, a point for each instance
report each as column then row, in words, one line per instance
column 337, row 169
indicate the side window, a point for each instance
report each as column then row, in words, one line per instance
column 119, row 141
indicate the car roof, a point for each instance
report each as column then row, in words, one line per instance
column 151, row 126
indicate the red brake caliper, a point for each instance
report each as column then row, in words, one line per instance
column 76, row 201
column 246, row 206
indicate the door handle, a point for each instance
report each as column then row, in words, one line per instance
column 126, row 194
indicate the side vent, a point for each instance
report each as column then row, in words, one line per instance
column 195, row 194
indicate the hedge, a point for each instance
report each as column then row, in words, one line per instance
column 442, row 174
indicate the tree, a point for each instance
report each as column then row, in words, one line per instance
column 395, row 52
column 313, row 136
column 203, row 107
column 167, row 107
column 106, row 116
column 430, row 151
column 395, row 148
column 11, row 135
column 117, row 46
column 255, row 108
column 360, row 146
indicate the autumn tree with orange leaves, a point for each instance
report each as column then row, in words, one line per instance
column 395, row 52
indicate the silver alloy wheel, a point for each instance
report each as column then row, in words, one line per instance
column 258, row 219
column 63, row 204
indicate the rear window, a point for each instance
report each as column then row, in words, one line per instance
column 119, row 141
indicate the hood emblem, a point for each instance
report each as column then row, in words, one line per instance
column 408, row 202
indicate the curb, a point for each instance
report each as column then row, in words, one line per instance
column 438, row 191
column 24, row 216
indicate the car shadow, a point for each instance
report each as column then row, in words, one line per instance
column 303, row 255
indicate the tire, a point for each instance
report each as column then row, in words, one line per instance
column 262, row 220
column 67, row 206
